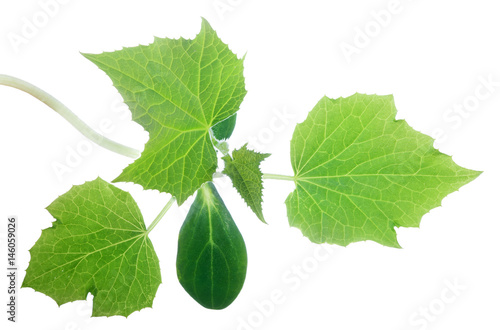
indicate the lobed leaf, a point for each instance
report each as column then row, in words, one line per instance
column 359, row 172
column 99, row 245
column 177, row 90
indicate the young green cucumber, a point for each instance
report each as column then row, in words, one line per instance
column 211, row 255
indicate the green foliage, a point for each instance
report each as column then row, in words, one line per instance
column 211, row 257
column 177, row 90
column 224, row 129
column 359, row 172
column 244, row 170
column 99, row 245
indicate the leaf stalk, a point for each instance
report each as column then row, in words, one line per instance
column 160, row 215
column 278, row 177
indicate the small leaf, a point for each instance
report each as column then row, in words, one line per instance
column 224, row 129
column 97, row 245
column 359, row 172
column 211, row 257
column 177, row 90
column 244, row 170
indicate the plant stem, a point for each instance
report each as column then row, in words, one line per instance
column 278, row 177
column 222, row 146
column 160, row 215
column 264, row 176
column 67, row 114
column 218, row 175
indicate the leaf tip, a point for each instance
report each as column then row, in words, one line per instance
column 90, row 57
column 205, row 25
column 261, row 218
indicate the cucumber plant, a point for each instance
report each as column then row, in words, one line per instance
column 358, row 174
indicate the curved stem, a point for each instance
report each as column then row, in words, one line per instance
column 67, row 114
column 278, row 177
column 160, row 215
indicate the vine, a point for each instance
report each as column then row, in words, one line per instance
column 358, row 174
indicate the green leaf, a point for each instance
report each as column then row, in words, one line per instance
column 99, row 245
column 359, row 172
column 224, row 129
column 177, row 90
column 244, row 170
column 211, row 257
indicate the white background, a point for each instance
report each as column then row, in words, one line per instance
column 432, row 55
